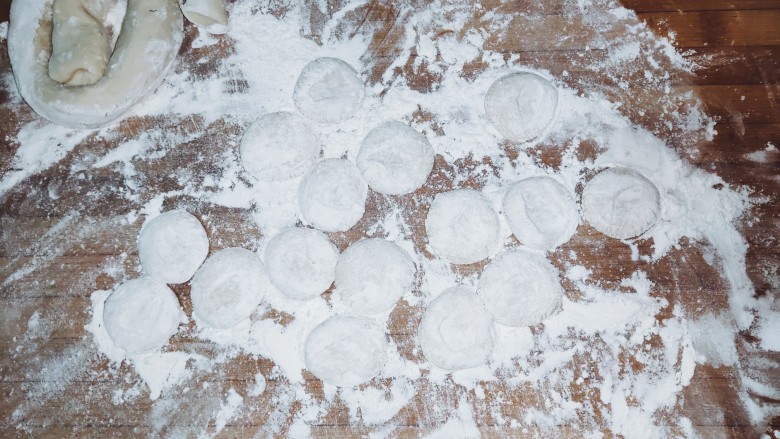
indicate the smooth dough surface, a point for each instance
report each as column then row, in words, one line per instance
column 301, row 262
column 207, row 14
column 456, row 332
column 146, row 49
column 395, row 159
column 621, row 203
column 521, row 106
column 140, row 315
column 328, row 91
column 520, row 288
column 80, row 44
column 541, row 212
column 462, row 226
column 346, row 351
column 279, row 146
column 228, row 287
column 372, row 275
column 172, row 246
column 332, row 195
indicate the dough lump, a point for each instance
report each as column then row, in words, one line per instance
column 332, row 195
column 521, row 106
column 228, row 287
column 279, row 146
column 395, row 159
column 346, row 351
column 520, row 288
column 621, row 203
column 328, row 91
column 301, row 262
column 455, row 332
column 172, row 246
column 372, row 275
column 541, row 212
column 140, row 315
column 462, row 226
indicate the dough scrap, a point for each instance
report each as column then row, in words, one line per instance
column 140, row 315
column 228, row 287
column 621, row 203
column 171, row 246
column 346, row 351
column 462, row 226
column 301, row 262
column 328, row 91
column 521, row 106
column 372, row 275
column 395, row 159
column 279, row 146
column 80, row 44
column 541, row 212
column 332, row 195
column 207, row 14
column 520, row 288
column 456, row 332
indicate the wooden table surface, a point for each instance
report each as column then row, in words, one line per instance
column 60, row 241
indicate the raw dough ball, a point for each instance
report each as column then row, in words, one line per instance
column 395, row 159
column 228, row 287
column 172, row 246
column 328, row 91
column 621, row 203
column 462, row 226
column 346, row 351
column 455, row 331
column 279, row 146
column 301, row 262
column 520, row 288
column 521, row 106
column 141, row 315
column 372, row 274
column 541, row 212
column 209, row 15
column 332, row 195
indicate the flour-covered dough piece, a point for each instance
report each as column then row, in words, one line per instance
column 279, row 146
column 301, row 262
column 332, row 195
column 172, row 246
column 621, row 203
column 462, row 226
column 541, row 212
column 346, row 351
column 395, row 159
column 207, row 14
column 372, row 275
column 521, row 106
column 520, row 288
column 144, row 53
column 455, row 332
column 80, row 44
column 328, row 91
column 227, row 289
column 140, row 315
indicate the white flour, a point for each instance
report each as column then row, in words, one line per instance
column 268, row 55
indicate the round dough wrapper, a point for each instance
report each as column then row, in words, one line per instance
column 228, row 287
column 395, row 159
column 279, row 146
column 521, row 106
column 621, row 203
column 301, row 262
column 462, row 226
column 346, row 351
column 455, row 332
column 332, row 195
column 520, row 288
column 172, row 246
column 328, row 91
column 372, row 275
column 141, row 315
column 541, row 212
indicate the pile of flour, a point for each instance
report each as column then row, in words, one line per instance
column 269, row 52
